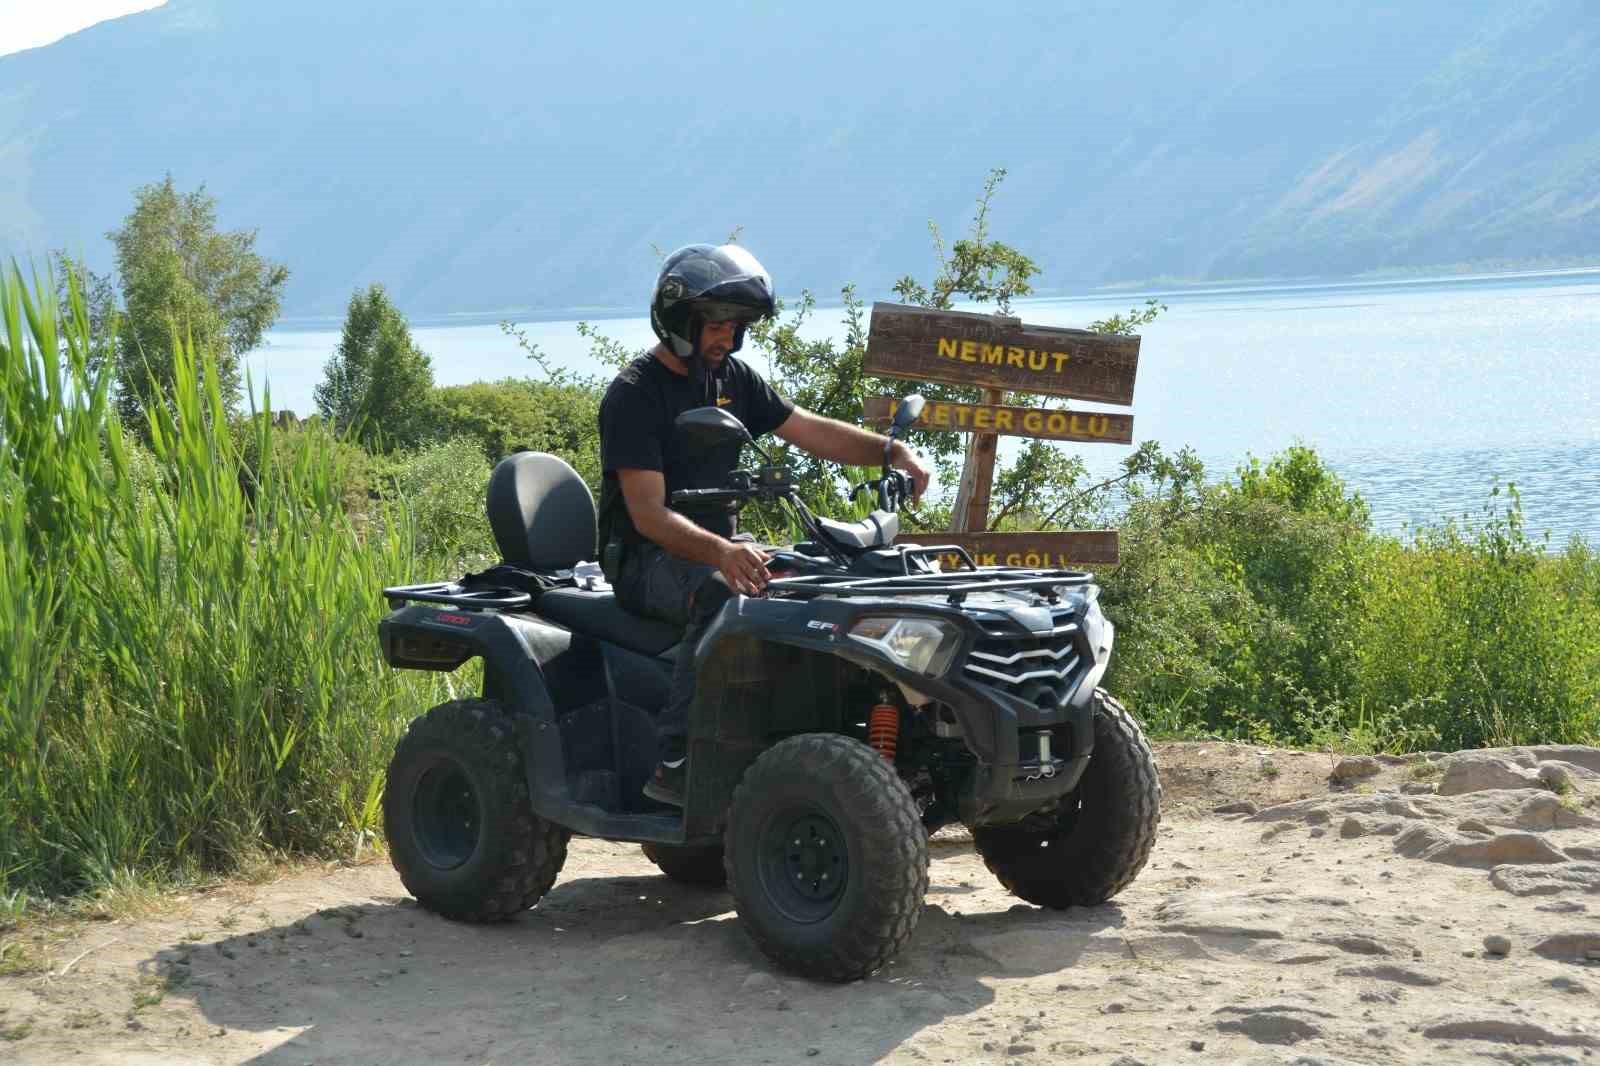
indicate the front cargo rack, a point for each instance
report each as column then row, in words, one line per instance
column 956, row 586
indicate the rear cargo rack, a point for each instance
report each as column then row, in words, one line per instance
column 454, row 594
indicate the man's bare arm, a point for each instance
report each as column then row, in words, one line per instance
column 645, row 493
column 840, row 442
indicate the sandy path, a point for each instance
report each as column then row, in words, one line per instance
column 1347, row 927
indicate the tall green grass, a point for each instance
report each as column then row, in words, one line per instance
column 190, row 672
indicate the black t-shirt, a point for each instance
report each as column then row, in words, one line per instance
column 636, row 419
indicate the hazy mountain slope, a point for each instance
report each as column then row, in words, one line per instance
column 484, row 155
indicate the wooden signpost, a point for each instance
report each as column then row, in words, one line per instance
column 1062, row 549
column 1045, row 424
column 1000, row 354
column 962, row 348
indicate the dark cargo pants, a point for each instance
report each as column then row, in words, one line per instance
column 654, row 583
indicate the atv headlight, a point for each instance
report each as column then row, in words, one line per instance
column 1098, row 628
column 925, row 645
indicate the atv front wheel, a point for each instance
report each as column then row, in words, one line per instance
column 699, row 866
column 1096, row 843
column 826, row 856
column 461, row 832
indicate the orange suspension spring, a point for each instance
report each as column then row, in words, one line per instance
column 883, row 729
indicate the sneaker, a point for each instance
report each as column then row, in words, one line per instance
column 666, row 785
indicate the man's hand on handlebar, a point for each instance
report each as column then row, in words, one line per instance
column 903, row 458
column 744, row 567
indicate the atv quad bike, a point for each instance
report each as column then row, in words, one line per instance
column 865, row 700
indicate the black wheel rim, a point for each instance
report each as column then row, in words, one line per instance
column 805, row 863
column 445, row 816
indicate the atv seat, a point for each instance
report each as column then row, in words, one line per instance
column 543, row 520
column 599, row 615
column 877, row 530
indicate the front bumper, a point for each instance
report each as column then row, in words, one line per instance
column 1017, row 677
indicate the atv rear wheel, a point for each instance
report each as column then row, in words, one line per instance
column 826, row 856
column 1098, row 841
column 699, row 866
column 462, row 834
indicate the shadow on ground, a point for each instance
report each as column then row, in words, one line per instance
column 613, row 970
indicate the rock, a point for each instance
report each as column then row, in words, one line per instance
column 1576, row 755
column 1320, row 810
column 1568, row 947
column 1389, row 972
column 1127, row 1060
column 1277, row 1024
column 1197, row 1045
column 760, row 981
column 1556, row 777
column 1352, row 944
column 1495, row 944
column 1236, row 807
column 1352, row 827
column 1474, row 825
column 1356, row 767
column 1416, row 788
column 1562, row 906
column 1433, row 844
column 813, row 1052
column 1478, row 772
column 1567, row 984
column 1220, row 915
column 1020, row 1049
column 1547, row 880
column 1580, row 851
column 1546, row 811
column 1113, row 1008
column 1505, row 1031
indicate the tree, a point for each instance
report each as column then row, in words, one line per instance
column 377, row 383
column 1041, row 487
column 182, row 277
column 97, row 296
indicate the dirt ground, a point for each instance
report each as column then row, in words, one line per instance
column 1432, row 909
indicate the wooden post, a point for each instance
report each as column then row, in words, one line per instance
column 971, row 511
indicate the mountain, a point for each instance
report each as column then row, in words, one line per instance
column 486, row 154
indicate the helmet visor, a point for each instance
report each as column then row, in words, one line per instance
column 723, row 311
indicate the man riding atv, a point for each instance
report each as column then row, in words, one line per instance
column 680, row 568
column 865, row 698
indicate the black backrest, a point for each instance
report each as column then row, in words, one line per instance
column 541, row 512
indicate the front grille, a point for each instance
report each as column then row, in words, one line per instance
column 1038, row 668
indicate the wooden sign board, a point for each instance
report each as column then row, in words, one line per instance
column 1090, row 426
column 1044, row 550
column 962, row 348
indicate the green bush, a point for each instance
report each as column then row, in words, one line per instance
column 440, row 490
column 1264, row 607
column 521, row 414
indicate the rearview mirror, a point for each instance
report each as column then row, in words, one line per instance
column 707, row 427
column 909, row 411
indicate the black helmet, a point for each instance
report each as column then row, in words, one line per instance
column 703, row 282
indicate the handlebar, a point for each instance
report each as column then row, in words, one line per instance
column 710, row 496
column 893, row 489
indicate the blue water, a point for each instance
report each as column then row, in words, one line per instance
column 1420, row 393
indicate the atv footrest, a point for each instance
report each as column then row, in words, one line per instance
column 588, row 820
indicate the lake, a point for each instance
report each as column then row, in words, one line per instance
column 1421, row 393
